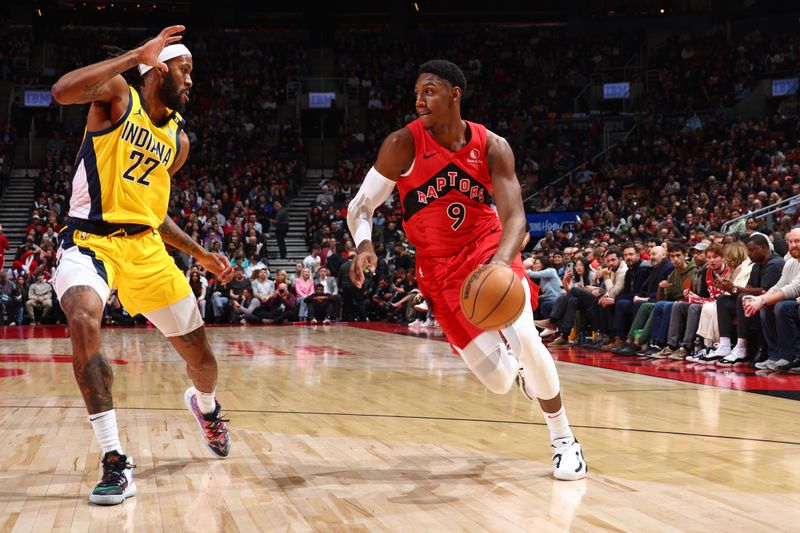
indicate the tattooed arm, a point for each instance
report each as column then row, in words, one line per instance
column 175, row 236
column 101, row 82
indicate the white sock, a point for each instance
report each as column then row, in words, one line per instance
column 741, row 342
column 205, row 401
column 105, row 429
column 558, row 425
column 724, row 342
column 708, row 343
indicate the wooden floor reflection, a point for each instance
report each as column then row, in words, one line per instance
column 337, row 428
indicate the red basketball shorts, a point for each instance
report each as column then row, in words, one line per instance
column 440, row 280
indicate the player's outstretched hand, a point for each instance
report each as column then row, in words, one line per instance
column 365, row 259
column 219, row 265
column 148, row 52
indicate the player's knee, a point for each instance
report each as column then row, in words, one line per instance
column 83, row 321
column 500, row 381
column 491, row 363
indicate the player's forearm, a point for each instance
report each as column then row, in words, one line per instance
column 84, row 85
column 513, row 231
column 175, row 236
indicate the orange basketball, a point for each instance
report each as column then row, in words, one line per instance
column 492, row 297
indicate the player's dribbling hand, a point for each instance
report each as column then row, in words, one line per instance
column 148, row 52
column 219, row 265
column 365, row 259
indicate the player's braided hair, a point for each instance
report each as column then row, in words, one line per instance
column 447, row 70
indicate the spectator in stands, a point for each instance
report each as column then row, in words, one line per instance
column 612, row 276
column 313, row 260
column 685, row 316
column 4, row 245
column 282, row 307
column 639, row 332
column 332, row 290
column 21, row 296
column 281, row 277
column 319, row 304
column 610, row 280
column 263, row 287
column 380, row 302
column 354, row 302
column 303, row 286
column 778, row 311
column 8, row 305
column 336, row 260
column 634, row 286
column 281, row 220
column 297, row 274
column 767, row 270
column 199, row 290
column 40, row 295
column 243, row 311
column 402, row 259
column 550, row 287
column 325, row 197
column 670, row 291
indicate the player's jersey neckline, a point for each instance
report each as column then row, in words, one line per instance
column 446, row 196
column 446, row 151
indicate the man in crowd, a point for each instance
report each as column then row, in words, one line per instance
column 40, row 294
column 635, row 279
column 767, row 270
column 644, row 302
column 778, row 312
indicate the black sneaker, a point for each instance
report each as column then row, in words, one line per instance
column 588, row 342
column 624, row 347
column 117, row 482
column 629, row 350
column 648, row 351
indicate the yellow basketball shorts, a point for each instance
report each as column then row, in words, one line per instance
column 138, row 266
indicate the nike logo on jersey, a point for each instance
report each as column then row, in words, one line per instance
column 428, row 156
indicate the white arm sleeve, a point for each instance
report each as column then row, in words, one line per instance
column 373, row 192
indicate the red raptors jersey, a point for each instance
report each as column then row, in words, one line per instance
column 446, row 197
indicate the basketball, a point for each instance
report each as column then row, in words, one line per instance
column 492, row 297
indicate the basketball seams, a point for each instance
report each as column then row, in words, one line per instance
column 499, row 300
column 491, row 269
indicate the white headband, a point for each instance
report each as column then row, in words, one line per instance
column 169, row 52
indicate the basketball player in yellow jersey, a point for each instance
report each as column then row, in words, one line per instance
column 115, row 233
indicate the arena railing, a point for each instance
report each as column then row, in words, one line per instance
column 792, row 201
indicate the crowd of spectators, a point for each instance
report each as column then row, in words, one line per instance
column 712, row 71
column 677, row 179
column 244, row 163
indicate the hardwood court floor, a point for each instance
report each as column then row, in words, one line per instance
column 337, row 428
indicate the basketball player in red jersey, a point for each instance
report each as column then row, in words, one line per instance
column 449, row 173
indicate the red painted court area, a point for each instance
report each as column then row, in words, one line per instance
column 742, row 378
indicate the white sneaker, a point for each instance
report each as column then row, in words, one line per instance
column 421, row 307
column 313, row 320
column 718, row 353
column 568, row 461
column 429, row 323
column 548, row 332
column 737, row 355
column 416, row 324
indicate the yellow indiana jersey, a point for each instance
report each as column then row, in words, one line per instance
column 121, row 173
